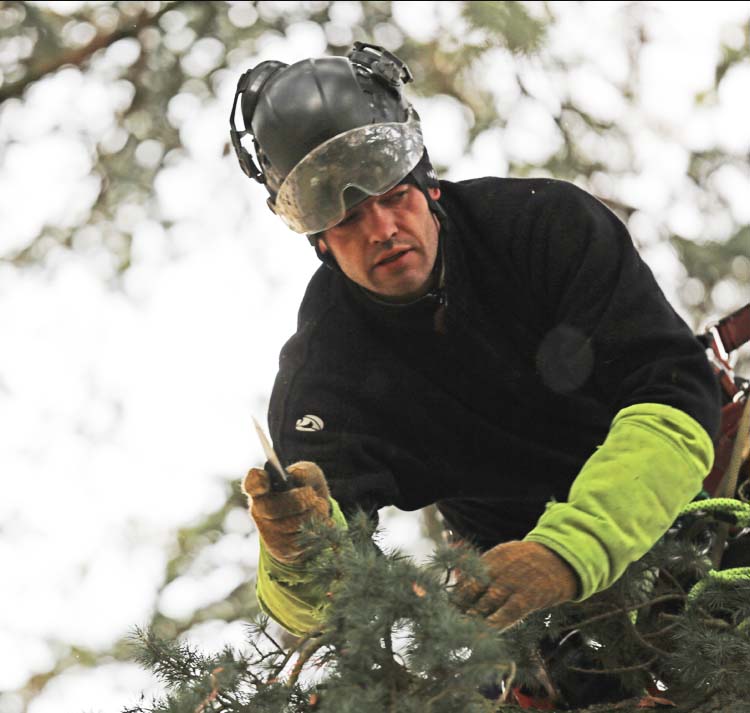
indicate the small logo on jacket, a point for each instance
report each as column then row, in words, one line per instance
column 309, row 423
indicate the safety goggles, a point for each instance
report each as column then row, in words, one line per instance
column 371, row 158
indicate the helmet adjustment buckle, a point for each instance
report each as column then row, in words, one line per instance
column 381, row 63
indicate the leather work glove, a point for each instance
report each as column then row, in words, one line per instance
column 523, row 577
column 280, row 515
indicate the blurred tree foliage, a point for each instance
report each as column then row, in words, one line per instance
column 157, row 54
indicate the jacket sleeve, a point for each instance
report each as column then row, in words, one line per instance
column 627, row 494
column 289, row 593
column 612, row 331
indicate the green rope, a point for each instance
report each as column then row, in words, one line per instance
column 725, row 576
column 739, row 514
column 736, row 509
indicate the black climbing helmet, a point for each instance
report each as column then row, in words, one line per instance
column 328, row 133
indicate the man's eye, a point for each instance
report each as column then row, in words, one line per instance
column 395, row 197
column 348, row 219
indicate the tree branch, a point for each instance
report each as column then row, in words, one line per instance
column 81, row 55
column 624, row 610
column 618, row 670
column 312, row 645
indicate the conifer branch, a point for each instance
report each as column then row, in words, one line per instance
column 624, row 610
column 288, row 655
column 388, row 645
column 81, row 55
column 508, row 682
column 270, row 638
column 213, row 693
column 622, row 669
column 660, row 632
column 673, row 581
column 708, row 620
column 311, row 646
column 361, row 651
column 432, row 701
column 643, row 642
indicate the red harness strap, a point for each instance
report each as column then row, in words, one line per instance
column 730, row 421
column 724, row 337
column 734, row 329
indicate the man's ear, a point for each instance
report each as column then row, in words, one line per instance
column 322, row 245
column 434, row 193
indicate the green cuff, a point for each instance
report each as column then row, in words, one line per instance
column 628, row 493
column 288, row 593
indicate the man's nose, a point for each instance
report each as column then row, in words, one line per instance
column 380, row 223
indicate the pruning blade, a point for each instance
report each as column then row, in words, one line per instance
column 273, row 459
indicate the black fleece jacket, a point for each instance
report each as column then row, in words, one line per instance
column 552, row 325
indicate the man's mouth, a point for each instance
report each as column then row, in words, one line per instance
column 392, row 257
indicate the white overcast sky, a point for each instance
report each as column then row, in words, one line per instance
column 123, row 412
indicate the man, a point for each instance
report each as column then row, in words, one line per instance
column 494, row 346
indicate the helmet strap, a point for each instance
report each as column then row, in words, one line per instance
column 416, row 179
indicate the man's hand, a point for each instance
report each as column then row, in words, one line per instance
column 523, row 577
column 279, row 516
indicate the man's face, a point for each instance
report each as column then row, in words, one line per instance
column 388, row 243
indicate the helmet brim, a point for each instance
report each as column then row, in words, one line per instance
column 371, row 158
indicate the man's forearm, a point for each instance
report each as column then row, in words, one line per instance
column 627, row 494
column 289, row 593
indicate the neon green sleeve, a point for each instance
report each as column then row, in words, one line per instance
column 628, row 493
column 288, row 593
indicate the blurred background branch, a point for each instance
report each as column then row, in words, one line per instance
column 140, row 273
column 79, row 56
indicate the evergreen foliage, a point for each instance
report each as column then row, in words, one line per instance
column 393, row 640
